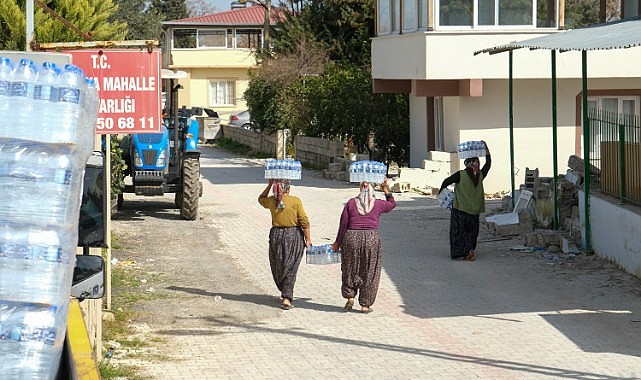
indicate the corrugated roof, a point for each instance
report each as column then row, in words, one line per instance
column 254, row 15
column 614, row 35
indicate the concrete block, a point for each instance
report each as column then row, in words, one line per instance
column 336, row 167
column 573, row 177
column 342, row 176
column 399, row 187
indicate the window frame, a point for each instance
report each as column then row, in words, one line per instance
column 230, row 99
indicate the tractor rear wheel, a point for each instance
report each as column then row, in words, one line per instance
column 191, row 188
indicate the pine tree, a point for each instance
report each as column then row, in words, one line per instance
column 89, row 16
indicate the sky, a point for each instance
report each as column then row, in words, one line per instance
column 222, row 5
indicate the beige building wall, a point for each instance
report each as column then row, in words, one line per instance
column 486, row 118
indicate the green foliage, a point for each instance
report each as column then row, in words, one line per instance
column 170, row 9
column 581, row 13
column 344, row 27
column 118, row 166
column 143, row 22
column 89, row 16
column 332, row 99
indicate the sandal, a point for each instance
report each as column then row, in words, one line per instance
column 471, row 256
column 366, row 310
column 286, row 304
column 349, row 305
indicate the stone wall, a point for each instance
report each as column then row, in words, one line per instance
column 317, row 152
column 260, row 142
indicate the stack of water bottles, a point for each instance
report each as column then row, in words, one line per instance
column 46, row 136
column 322, row 254
column 446, row 198
column 471, row 149
column 283, row 169
column 367, row 171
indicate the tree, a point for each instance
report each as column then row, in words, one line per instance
column 200, row 8
column 90, row 16
column 170, row 9
column 344, row 27
column 143, row 22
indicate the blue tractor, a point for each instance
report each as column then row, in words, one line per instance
column 166, row 162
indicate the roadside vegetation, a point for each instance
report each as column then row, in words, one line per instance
column 130, row 286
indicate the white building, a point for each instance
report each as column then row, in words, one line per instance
column 426, row 48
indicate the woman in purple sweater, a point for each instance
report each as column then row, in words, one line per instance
column 360, row 242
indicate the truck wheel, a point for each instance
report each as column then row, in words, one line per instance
column 191, row 188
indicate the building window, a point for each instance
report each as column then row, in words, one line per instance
column 185, row 38
column 497, row 13
column 249, row 38
column 222, row 93
column 610, row 107
column 212, row 38
column 504, row 12
column 456, row 12
column 423, row 14
column 384, row 17
column 409, row 15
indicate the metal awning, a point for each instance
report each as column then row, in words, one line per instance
column 613, row 35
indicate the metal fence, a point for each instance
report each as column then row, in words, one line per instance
column 615, row 153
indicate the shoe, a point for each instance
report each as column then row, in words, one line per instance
column 471, row 256
column 286, row 304
column 349, row 305
column 366, row 310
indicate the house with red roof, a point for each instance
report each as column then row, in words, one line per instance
column 216, row 51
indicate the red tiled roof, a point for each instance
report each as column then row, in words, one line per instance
column 254, row 15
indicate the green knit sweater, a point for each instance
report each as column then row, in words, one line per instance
column 467, row 197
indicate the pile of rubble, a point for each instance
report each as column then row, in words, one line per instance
column 532, row 217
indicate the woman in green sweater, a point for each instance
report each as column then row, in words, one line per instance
column 469, row 202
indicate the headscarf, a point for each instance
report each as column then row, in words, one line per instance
column 280, row 187
column 365, row 200
column 472, row 165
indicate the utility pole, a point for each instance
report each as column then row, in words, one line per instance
column 29, row 11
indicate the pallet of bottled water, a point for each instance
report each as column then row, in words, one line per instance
column 322, row 254
column 446, row 198
column 471, row 149
column 46, row 137
column 367, row 171
column 283, row 169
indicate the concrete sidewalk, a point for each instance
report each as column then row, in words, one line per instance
column 509, row 315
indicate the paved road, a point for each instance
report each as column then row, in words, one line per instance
column 509, row 315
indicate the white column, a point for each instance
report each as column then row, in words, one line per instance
column 418, row 130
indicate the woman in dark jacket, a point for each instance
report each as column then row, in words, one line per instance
column 469, row 202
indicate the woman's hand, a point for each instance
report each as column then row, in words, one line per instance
column 271, row 181
column 487, row 150
column 384, row 186
column 336, row 247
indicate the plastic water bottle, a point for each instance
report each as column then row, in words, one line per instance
column 88, row 129
column 71, row 92
column 6, row 68
column 31, row 339
column 46, row 89
column 21, row 103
